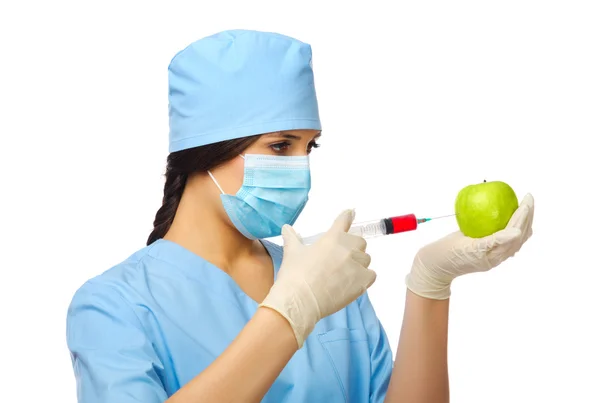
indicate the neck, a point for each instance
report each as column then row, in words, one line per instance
column 200, row 227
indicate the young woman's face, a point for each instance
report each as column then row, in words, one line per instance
column 286, row 143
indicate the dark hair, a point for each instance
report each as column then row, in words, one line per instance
column 180, row 165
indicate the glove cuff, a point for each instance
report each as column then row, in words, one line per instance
column 297, row 314
column 426, row 287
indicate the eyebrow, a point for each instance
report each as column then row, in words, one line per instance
column 290, row 136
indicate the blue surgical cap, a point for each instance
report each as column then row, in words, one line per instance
column 240, row 83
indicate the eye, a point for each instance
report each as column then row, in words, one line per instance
column 312, row 145
column 280, row 147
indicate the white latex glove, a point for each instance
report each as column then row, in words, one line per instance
column 318, row 280
column 437, row 264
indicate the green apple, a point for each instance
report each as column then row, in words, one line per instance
column 485, row 208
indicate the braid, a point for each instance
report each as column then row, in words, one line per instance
column 180, row 165
column 174, row 185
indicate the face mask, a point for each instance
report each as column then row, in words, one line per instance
column 274, row 193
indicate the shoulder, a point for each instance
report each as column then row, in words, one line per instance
column 105, row 304
column 107, row 340
column 114, row 284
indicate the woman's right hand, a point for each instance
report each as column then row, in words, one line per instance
column 318, row 280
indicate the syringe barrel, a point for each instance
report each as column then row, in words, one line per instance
column 369, row 229
column 403, row 223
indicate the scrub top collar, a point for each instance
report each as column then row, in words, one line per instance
column 197, row 268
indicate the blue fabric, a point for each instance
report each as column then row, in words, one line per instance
column 142, row 330
column 240, row 83
column 274, row 192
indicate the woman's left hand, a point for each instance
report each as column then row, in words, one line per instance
column 437, row 264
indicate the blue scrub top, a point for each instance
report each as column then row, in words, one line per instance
column 143, row 329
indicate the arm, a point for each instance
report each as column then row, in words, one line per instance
column 248, row 367
column 421, row 369
column 114, row 361
column 112, row 358
column 300, row 297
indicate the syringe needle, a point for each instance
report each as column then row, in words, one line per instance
column 442, row 216
column 422, row 220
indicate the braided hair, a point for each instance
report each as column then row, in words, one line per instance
column 180, row 165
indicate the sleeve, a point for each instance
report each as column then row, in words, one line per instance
column 112, row 358
column 381, row 354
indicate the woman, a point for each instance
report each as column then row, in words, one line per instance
column 211, row 312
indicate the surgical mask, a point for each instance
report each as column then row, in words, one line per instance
column 274, row 193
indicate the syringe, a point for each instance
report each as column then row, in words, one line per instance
column 376, row 228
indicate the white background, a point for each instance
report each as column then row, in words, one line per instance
column 418, row 99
